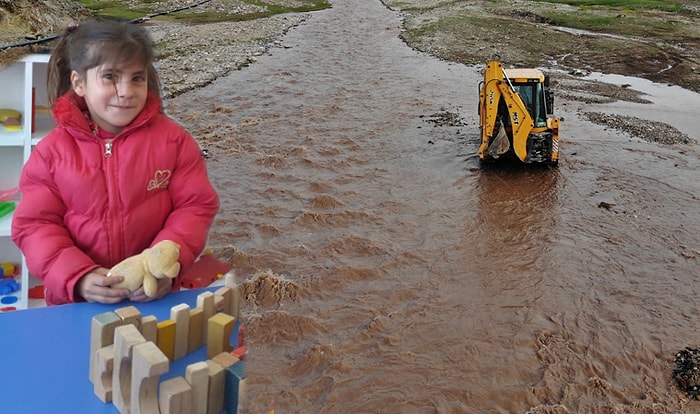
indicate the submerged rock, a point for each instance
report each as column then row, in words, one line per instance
column 686, row 374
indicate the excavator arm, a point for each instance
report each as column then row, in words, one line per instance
column 496, row 88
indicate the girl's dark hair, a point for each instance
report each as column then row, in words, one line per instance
column 94, row 43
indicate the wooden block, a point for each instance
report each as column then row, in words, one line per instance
column 175, row 396
column 234, row 376
column 104, row 366
column 196, row 328
column 222, row 299
column 217, row 378
column 166, row 338
column 148, row 364
column 149, row 328
column 219, row 331
column 126, row 337
column 180, row 314
column 197, row 375
column 101, row 335
column 230, row 282
column 225, row 359
column 205, row 301
column 236, row 302
column 130, row 315
column 218, row 303
column 230, row 279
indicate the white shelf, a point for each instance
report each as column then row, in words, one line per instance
column 43, row 124
column 11, row 139
column 24, row 90
column 5, row 223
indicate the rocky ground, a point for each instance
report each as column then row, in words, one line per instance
column 193, row 55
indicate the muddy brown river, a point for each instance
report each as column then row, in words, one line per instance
column 385, row 271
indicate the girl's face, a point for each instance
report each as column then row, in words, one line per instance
column 114, row 95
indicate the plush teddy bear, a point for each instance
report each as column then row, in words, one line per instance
column 145, row 268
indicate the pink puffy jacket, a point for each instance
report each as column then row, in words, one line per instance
column 84, row 206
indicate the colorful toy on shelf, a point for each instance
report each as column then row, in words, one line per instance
column 6, row 207
column 9, row 300
column 8, row 285
column 8, row 269
column 36, row 292
column 11, row 119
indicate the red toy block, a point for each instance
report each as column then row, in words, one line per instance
column 37, row 292
column 239, row 352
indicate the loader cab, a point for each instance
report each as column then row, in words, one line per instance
column 533, row 87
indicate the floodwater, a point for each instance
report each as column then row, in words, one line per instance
column 385, row 271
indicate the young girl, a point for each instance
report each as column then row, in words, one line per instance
column 114, row 177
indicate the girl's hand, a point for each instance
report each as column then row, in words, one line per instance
column 95, row 286
column 164, row 286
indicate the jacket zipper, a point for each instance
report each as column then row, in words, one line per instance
column 116, row 247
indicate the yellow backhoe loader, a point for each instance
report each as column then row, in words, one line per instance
column 516, row 116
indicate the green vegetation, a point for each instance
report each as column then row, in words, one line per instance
column 627, row 24
column 655, row 39
column 123, row 11
column 667, row 6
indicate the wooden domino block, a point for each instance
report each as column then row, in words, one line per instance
column 130, row 315
column 217, row 378
column 236, row 302
column 197, row 375
column 230, row 282
column 220, row 327
column 149, row 328
column 234, row 376
column 205, row 301
column 148, row 364
column 180, row 314
column 166, row 338
column 196, row 328
column 175, row 396
column 225, row 359
column 126, row 337
column 101, row 335
column 230, row 279
column 104, row 367
column 222, row 299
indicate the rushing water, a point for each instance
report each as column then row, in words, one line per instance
column 385, row 271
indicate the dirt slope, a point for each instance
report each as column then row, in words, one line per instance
column 26, row 20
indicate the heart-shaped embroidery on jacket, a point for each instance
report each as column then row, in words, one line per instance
column 161, row 180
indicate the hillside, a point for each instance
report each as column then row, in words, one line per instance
column 26, row 20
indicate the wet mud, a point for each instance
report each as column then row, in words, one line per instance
column 385, row 270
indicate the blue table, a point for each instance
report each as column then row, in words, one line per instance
column 44, row 355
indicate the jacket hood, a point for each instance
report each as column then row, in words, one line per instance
column 71, row 111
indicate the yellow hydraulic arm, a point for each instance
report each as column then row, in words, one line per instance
column 496, row 86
